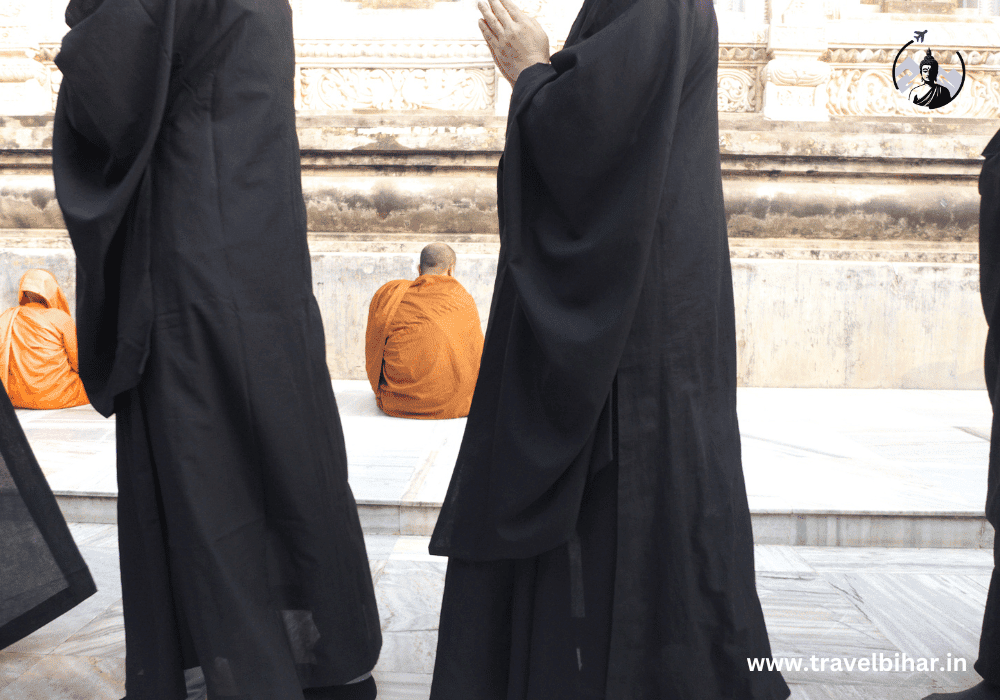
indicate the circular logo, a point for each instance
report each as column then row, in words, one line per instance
column 921, row 79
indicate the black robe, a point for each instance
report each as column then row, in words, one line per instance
column 176, row 164
column 988, row 665
column 42, row 574
column 937, row 96
column 614, row 284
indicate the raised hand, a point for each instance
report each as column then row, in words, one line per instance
column 515, row 39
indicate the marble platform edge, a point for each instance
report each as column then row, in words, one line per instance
column 805, row 528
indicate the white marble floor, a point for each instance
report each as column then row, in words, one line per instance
column 804, row 451
column 819, row 602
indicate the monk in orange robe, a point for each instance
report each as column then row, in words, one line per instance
column 38, row 355
column 424, row 341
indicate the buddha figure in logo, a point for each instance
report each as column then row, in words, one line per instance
column 928, row 92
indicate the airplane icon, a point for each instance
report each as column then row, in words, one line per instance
column 919, row 36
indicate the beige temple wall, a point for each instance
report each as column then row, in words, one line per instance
column 852, row 214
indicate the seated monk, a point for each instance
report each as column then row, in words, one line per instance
column 38, row 358
column 424, row 341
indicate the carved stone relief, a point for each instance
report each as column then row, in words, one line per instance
column 741, row 87
column 394, row 90
column 395, row 76
column 855, row 92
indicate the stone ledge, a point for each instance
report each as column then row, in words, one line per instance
column 814, row 529
column 740, row 247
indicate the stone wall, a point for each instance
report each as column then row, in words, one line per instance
column 852, row 214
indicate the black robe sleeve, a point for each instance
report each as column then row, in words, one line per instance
column 116, row 66
column 589, row 139
column 42, row 574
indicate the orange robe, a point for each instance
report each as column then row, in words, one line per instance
column 423, row 344
column 38, row 352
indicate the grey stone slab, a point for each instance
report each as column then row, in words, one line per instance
column 899, row 529
column 417, row 519
column 379, row 519
column 88, row 508
column 69, row 678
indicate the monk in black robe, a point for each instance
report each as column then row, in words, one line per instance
column 597, row 521
column 177, row 169
column 988, row 664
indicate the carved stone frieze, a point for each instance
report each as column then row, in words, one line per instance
column 740, row 89
column 19, row 69
column 336, row 89
column 10, row 9
column 791, row 72
column 395, row 53
column 742, row 54
column 857, row 92
column 972, row 57
column 393, row 76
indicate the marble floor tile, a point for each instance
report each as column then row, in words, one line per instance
column 804, row 449
column 410, row 548
column 69, row 677
column 405, row 652
column 780, row 558
column 806, row 615
column 861, row 691
column 355, row 398
column 923, row 615
column 94, row 534
column 380, row 546
column 403, row 686
column 103, row 565
column 377, row 568
column 898, row 559
column 13, row 665
column 409, row 595
column 104, row 636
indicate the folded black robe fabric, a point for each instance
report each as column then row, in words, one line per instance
column 177, row 169
column 42, row 574
column 614, row 270
column 988, row 664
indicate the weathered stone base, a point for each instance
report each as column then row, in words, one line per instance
column 800, row 322
column 854, row 241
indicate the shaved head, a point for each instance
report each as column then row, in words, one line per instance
column 437, row 259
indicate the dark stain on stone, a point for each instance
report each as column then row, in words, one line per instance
column 383, row 142
column 40, row 198
column 34, row 121
column 387, row 201
column 353, row 201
